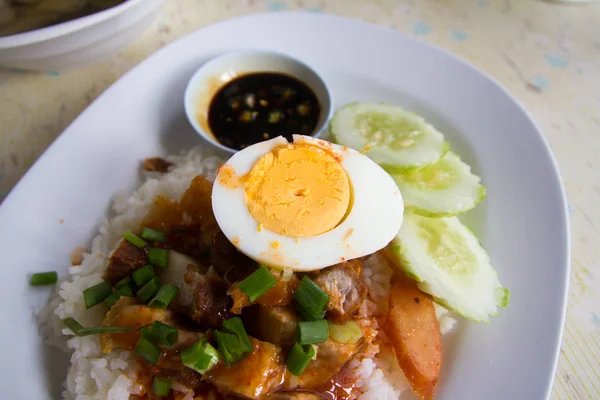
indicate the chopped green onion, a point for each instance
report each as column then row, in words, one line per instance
column 312, row 300
column 298, row 358
column 151, row 234
column 316, row 349
column 79, row 330
column 312, row 332
column 165, row 295
column 122, row 291
column 287, row 274
column 158, row 257
column 161, row 333
column 257, row 283
column 97, row 330
column 72, row 324
column 134, row 240
column 148, row 350
column 234, row 342
column 236, row 326
column 111, row 300
column 124, row 282
column 44, row 278
column 96, row 294
column 200, row 357
column 347, row 333
column 143, row 275
column 148, row 290
column 161, row 387
column 229, row 346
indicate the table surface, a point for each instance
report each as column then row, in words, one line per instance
column 547, row 55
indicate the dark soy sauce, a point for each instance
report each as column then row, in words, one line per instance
column 260, row 106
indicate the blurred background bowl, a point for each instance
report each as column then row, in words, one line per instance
column 78, row 41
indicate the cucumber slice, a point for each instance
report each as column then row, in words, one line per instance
column 442, row 189
column 447, row 260
column 391, row 136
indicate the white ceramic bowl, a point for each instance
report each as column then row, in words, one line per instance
column 78, row 41
column 207, row 81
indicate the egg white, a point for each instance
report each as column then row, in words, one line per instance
column 374, row 219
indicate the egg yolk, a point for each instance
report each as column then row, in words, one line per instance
column 297, row 190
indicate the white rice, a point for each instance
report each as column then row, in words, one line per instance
column 94, row 375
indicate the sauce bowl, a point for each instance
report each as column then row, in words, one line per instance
column 78, row 41
column 213, row 75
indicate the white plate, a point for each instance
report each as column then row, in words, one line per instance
column 523, row 222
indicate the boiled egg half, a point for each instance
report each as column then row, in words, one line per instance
column 305, row 205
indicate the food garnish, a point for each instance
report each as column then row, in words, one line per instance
column 312, row 332
column 442, row 189
column 80, row 330
column 72, row 324
column 148, row 350
column 143, row 275
column 166, row 294
column 200, row 357
column 96, row 294
column 44, row 278
column 447, row 261
column 121, row 291
column 161, row 333
column 161, row 387
column 395, row 138
column 149, row 290
column 298, row 358
column 346, row 333
column 233, row 341
column 134, row 240
column 158, row 257
column 152, row 235
column 432, row 247
column 257, row 283
column 311, row 300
